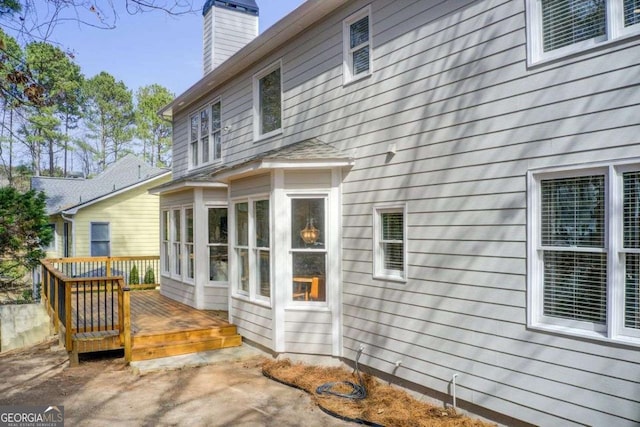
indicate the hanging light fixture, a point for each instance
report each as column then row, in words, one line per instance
column 309, row 234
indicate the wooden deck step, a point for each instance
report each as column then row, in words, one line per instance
column 166, row 348
column 194, row 335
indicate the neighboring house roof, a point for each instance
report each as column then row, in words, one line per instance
column 307, row 153
column 67, row 195
column 307, row 14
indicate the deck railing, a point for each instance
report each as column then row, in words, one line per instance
column 138, row 272
column 85, row 305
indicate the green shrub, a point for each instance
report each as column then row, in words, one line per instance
column 134, row 276
column 149, row 277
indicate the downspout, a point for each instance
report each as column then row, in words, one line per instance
column 73, row 232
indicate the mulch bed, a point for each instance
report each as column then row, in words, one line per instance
column 384, row 405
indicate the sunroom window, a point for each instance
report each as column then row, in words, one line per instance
column 217, row 244
column 308, row 249
column 253, row 248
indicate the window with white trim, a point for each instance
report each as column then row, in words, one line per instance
column 217, row 245
column 205, row 146
column 100, row 239
column 252, row 246
column 561, row 27
column 357, row 45
column 176, row 240
column 166, row 241
column 267, row 101
column 390, row 243
column 585, row 249
column 188, row 243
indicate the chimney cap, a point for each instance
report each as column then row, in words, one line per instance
column 245, row 6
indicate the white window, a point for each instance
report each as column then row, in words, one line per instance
column 253, row 248
column 309, row 249
column 390, row 243
column 205, row 146
column 166, row 241
column 357, row 61
column 188, row 243
column 217, row 244
column 585, row 247
column 267, row 101
column 558, row 28
column 100, row 239
column 176, row 243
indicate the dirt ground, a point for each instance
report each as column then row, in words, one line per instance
column 105, row 391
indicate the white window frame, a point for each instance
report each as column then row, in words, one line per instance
column 165, row 249
column 214, row 134
column 326, row 231
column 613, row 247
column 188, row 248
column 253, row 250
column 174, row 251
column 257, row 117
column 347, row 55
column 615, row 30
column 379, row 270
column 217, row 245
column 91, row 224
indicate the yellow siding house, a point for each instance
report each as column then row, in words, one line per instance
column 111, row 214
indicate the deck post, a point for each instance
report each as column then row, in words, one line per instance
column 107, row 267
column 67, row 316
column 126, row 308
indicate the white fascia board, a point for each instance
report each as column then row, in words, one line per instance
column 185, row 185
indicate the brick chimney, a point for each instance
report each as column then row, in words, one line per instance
column 228, row 26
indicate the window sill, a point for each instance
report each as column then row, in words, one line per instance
column 246, row 298
column 390, row 278
column 584, row 49
column 308, row 307
column 349, row 82
column 599, row 337
column 266, row 136
column 205, row 165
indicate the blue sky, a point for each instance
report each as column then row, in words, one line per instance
column 152, row 47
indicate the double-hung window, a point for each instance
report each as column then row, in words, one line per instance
column 584, row 268
column 217, row 244
column 558, row 28
column 267, row 101
column 390, row 243
column 100, row 239
column 188, row 243
column 176, row 239
column 205, row 145
column 357, row 45
column 252, row 248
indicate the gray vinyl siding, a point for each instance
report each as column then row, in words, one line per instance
column 308, row 331
column 254, row 185
column 225, row 32
column 254, row 321
column 451, row 89
column 178, row 291
column 216, row 297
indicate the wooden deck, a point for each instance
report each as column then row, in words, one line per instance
column 161, row 327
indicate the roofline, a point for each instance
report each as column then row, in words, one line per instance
column 292, row 24
column 262, row 165
column 74, row 209
column 172, row 187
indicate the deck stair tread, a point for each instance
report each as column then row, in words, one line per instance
column 176, row 347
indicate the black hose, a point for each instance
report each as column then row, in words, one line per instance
column 358, row 391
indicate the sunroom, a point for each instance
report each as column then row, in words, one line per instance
column 264, row 234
